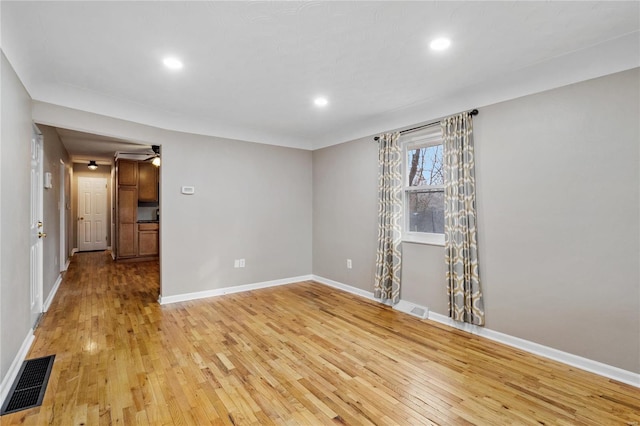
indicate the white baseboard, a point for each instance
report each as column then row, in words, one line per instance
column 66, row 264
column 229, row 290
column 74, row 251
column 595, row 367
column 345, row 287
column 14, row 369
column 52, row 294
column 109, row 248
column 592, row 366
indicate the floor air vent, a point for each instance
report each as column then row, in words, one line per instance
column 421, row 312
column 29, row 387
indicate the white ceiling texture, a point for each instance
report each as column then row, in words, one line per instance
column 252, row 69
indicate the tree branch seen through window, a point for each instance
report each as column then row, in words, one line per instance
column 426, row 166
column 425, row 203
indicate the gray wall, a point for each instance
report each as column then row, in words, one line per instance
column 54, row 151
column 558, row 209
column 423, row 275
column 345, row 202
column 559, row 237
column 251, row 201
column 15, row 138
column 81, row 170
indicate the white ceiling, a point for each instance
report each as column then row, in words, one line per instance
column 83, row 147
column 252, row 69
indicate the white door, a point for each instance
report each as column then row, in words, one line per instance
column 92, row 213
column 37, row 228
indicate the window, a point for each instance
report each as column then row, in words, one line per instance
column 423, row 187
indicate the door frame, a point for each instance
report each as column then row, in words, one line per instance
column 62, row 206
column 37, row 305
column 105, row 203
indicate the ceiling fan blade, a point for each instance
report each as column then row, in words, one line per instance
column 150, row 155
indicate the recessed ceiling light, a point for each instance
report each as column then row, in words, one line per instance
column 172, row 63
column 440, row 44
column 320, row 101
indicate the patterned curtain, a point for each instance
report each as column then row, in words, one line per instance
column 389, row 254
column 461, row 246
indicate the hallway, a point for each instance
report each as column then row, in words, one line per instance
column 298, row 354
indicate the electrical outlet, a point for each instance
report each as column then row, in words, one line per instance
column 242, row 263
column 236, row 263
column 349, row 264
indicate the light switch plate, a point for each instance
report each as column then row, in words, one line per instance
column 188, row 190
column 48, row 183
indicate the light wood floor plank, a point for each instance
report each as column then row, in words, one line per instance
column 301, row 354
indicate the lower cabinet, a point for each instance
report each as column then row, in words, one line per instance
column 126, row 240
column 126, row 222
column 148, row 239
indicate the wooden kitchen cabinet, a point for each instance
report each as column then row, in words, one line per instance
column 127, row 221
column 148, row 239
column 137, row 183
column 147, row 182
column 127, row 172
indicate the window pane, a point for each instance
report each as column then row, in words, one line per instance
column 426, row 211
column 424, row 166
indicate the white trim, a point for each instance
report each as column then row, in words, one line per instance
column 52, row 294
column 36, row 266
column 596, row 367
column 423, row 188
column 63, row 214
column 229, row 290
column 66, row 265
column 423, row 238
column 14, row 369
column 345, row 287
column 427, row 138
column 109, row 248
column 74, row 251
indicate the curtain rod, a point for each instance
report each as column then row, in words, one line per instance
column 413, row 129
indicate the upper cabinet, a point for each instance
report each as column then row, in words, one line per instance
column 127, row 172
column 141, row 174
column 147, row 182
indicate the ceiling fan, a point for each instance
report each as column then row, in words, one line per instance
column 154, row 158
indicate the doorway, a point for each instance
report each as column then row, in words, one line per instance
column 92, row 213
column 36, row 228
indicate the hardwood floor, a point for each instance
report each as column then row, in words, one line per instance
column 297, row 354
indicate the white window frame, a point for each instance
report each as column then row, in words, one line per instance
column 429, row 137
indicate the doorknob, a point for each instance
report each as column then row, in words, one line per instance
column 81, row 218
column 42, row 235
column 39, row 224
